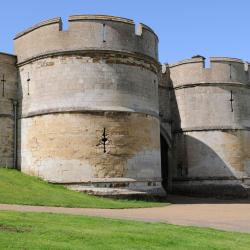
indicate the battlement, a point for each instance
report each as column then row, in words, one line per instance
column 86, row 32
column 56, row 20
column 221, row 70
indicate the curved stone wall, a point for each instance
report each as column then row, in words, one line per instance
column 211, row 123
column 211, row 98
column 89, row 103
column 213, row 107
column 68, row 148
column 212, row 154
column 92, row 81
column 89, row 32
column 221, row 70
column 8, row 92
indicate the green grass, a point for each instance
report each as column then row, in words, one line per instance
column 18, row 188
column 53, row 231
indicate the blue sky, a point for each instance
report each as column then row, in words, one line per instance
column 185, row 27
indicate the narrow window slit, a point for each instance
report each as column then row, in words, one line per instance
column 28, row 84
column 3, row 85
column 103, row 32
column 231, row 101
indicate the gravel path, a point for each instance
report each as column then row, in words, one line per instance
column 231, row 216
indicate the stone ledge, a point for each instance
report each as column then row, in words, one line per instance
column 209, row 84
column 7, row 54
column 80, row 110
column 212, row 128
column 100, row 17
column 157, row 191
column 88, row 52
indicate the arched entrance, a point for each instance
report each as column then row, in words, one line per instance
column 164, row 162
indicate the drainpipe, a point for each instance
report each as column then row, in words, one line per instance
column 15, row 135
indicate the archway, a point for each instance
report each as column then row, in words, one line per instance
column 164, row 162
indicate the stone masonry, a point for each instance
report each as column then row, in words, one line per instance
column 92, row 108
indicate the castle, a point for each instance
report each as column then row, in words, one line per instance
column 92, row 108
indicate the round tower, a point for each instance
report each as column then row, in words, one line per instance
column 211, row 125
column 8, row 89
column 89, row 103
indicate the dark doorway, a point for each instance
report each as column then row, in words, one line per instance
column 164, row 162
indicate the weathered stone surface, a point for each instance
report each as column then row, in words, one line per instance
column 68, row 148
column 8, row 92
column 211, row 122
column 96, row 111
column 216, row 153
column 96, row 81
column 84, row 33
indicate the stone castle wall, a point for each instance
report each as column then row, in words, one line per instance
column 8, row 92
column 87, row 32
column 91, row 106
column 97, row 80
column 211, row 122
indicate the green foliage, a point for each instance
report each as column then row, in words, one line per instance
column 53, row 231
column 18, row 188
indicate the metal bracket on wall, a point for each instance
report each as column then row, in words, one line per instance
column 104, row 140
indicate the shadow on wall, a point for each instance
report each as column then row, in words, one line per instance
column 196, row 158
column 205, row 162
column 175, row 115
column 164, row 162
column 201, row 171
column 165, row 128
column 19, row 124
column 193, row 156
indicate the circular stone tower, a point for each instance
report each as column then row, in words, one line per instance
column 8, row 89
column 211, row 123
column 89, row 103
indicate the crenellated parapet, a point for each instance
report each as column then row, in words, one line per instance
column 86, row 32
column 222, row 70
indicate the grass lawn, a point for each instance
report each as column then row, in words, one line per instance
column 18, row 188
column 53, row 231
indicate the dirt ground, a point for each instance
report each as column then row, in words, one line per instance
column 230, row 215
